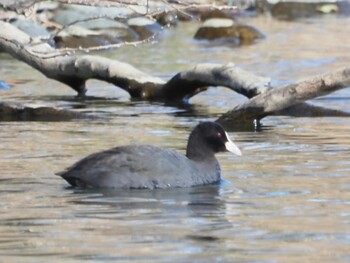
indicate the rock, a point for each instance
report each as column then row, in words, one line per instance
column 328, row 8
column 223, row 28
column 17, row 5
column 17, row 112
column 86, row 42
column 68, row 17
column 294, row 9
column 72, row 13
column 105, row 32
column 30, row 27
column 210, row 13
column 46, row 6
column 102, row 24
column 79, row 37
column 7, row 15
column 204, row 12
column 78, row 31
column 144, row 26
column 167, row 18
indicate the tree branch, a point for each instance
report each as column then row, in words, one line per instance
column 74, row 71
column 188, row 83
column 277, row 99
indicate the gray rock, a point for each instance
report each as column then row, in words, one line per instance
column 91, row 11
column 30, row 27
column 102, row 23
column 78, row 31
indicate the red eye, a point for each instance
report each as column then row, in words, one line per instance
column 219, row 135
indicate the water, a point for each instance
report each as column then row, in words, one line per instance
column 285, row 200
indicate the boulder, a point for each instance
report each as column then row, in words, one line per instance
column 144, row 27
column 97, row 32
column 294, row 9
column 223, row 28
column 30, row 27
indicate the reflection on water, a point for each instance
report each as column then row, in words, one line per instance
column 286, row 199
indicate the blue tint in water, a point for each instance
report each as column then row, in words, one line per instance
column 4, row 85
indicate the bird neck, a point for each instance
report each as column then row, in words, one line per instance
column 198, row 150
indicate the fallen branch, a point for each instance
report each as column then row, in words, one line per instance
column 27, row 7
column 190, row 82
column 74, row 70
column 278, row 99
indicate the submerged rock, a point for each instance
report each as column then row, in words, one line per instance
column 223, row 28
column 17, row 112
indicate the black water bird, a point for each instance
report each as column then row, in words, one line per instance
column 146, row 166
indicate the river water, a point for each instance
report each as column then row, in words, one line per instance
column 286, row 199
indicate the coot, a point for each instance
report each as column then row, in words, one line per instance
column 145, row 166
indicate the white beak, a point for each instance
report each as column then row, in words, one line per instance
column 231, row 147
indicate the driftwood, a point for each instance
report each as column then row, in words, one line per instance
column 75, row 69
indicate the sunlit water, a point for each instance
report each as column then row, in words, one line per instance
column 285, row 200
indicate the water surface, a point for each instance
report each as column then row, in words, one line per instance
column 285, row 200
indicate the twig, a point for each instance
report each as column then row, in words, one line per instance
column 71, row 51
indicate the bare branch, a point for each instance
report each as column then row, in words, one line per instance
column 70, row 51
column 282, row 98
column 188, row 83
column 27, row 6
column 74, row 70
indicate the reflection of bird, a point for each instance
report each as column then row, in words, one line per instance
column 145, row 166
